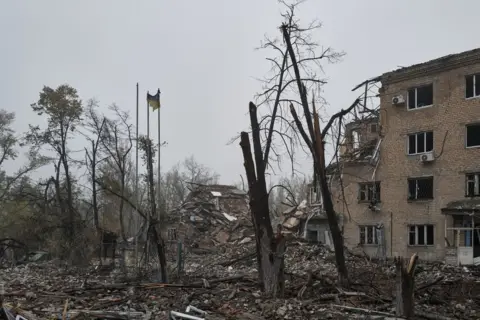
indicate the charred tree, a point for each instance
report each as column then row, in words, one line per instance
column 270, row 250
column 293, row 71
column 405, row 284
column 315, row 141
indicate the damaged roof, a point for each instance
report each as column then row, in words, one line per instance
column 462, row 206
column 447, row 62
column 216, row 190
column 214, row 214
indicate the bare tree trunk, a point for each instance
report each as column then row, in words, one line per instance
column 120, row 215
column 316, row 146
column 157, row 237
column 337, row 237
column 405, row 284
column 270, row 252
column 94, row 186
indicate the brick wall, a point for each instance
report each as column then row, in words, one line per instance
column 450, row 113
column 447, row 119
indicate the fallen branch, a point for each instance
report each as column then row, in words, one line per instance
column 306, row 285
column 107, row 314
column 364, row 311
column 428, row 285
column 198, row 284
column 230, row 262
column 431, row 316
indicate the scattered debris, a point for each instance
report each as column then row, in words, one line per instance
column 224, row 285
column 213, row 215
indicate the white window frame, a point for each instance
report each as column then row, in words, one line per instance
column 416, row 96
column 476, row 183
column 475, row 95
column 416, row 134
column 355, row 140
column 365, row 230
column 466, row 135
column 417, row 226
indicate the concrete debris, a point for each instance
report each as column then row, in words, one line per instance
column 212, row 215
column 224, row 285
column 307, row 222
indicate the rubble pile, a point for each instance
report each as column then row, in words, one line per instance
column 213, row 215
column 225, row 285
column 291, row 217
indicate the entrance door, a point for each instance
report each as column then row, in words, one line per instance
column 465, row 246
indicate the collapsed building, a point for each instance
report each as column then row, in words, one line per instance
column 308, row 220
column 211, row 215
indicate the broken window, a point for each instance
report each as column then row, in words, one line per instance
column 368, row 235
column 355, row 139
column 373, row 128
column 420, row 235
column 216, row 202
column 420, row 142
column 473, row 135
column 172, row 234
column 315, row 195
column 472, row 86
column 472, row 184
column 369, row 192
column 420, row 97
column 420, row 188
column 312, row 235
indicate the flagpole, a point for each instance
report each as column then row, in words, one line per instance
column 136, row 187
column 159, row 148
column 148, row 219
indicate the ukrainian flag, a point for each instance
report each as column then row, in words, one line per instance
column 154, row 101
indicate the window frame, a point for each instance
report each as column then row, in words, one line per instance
column 356, row 139
column 476, row 184
column 375, row 184
column 363, row 229
column 416, row 185
column 474, row 78
column 416, row 134
column 172, row 234
column 425, row 234
column 416, row 97
column 318, row 194
column 475, row 124
column 373, row 125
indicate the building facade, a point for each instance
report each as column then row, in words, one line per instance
column 416, row 191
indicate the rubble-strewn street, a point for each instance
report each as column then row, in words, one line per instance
column 225, row 285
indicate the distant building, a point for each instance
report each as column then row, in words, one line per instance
column 211, row 214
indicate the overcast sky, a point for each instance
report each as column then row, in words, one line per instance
column 201, row 54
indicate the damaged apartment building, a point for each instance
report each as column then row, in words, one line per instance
column 409, row 176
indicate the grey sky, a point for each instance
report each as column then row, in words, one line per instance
column 201, row 54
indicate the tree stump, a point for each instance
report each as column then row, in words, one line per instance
column 405, row 282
